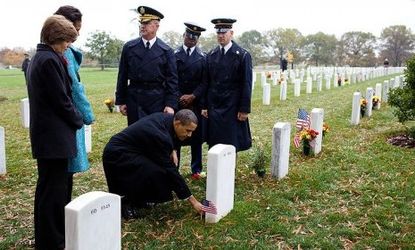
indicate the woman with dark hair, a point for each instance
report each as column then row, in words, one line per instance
column 80, row 162
column 53, row 124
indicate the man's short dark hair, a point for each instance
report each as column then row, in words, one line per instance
column 186, row 116
column 69, row 12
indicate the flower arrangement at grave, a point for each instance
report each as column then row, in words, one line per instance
column 346, row 81
column 268, row 75
column 326, row 129
column 281, row 79
column 375, row 101
column 363, row 105
column 110, row 104
column 307, row 137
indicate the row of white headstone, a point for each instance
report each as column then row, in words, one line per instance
column 354, row 74
column 354, row 78
column 381, row 91
column 93, row 220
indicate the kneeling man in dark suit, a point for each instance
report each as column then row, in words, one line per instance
column 140, row 162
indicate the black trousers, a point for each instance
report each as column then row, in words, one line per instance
column 52, row 195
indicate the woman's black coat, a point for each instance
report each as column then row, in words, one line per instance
column 53, row 116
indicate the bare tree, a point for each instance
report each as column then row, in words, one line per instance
column 281, row 41
column 359, row 48
column 397, row 44
column 320, row 48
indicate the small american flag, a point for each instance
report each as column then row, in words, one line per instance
column 297, row 140
column 303, row 120
column 209, row 207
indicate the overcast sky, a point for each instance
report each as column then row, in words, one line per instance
column 21, row 21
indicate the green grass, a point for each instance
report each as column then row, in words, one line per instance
column 359, row 192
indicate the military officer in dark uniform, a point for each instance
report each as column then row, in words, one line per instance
column 229, row 90
column 147, row 75
column 283, row 64
column 386, row 63
column 25, row 65
column 140, row 163
column 191, row 69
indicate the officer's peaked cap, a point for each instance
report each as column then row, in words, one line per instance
column 147, row 14
column 223, row 24
column 193, row 30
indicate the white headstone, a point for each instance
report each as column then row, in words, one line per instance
column 353, row 78
column 391, row 83
column 280, row 149
column 317, row 118
column 297, row 87
column 319, row 83
column 356, row 108
column 275, row 80
column 220, row 182
column 2, row 151
column 335, row 80
column 369, row 98
column 266, row 94
column 327, row 82
column 93, row 221
column 283, row 91
column 25, row 112
column 263, row 79
column 378, row 93
column 397, row 82
column 309, row 85
column 385, row 91
column 88, row 138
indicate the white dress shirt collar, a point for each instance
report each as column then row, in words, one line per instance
column 227, row 46
column 152, row 41
column 191, row 49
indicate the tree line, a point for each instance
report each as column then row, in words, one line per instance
column 355, row 48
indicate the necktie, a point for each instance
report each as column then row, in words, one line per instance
column 222, row 51
column 188, row 51
column 147, row 45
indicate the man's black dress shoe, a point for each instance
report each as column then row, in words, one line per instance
column 128, row 212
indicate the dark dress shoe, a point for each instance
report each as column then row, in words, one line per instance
column 128, row 212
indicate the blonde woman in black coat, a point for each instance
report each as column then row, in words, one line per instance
column 53, row 123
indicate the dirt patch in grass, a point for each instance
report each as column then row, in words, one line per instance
column 2, row 98
column 402, row 141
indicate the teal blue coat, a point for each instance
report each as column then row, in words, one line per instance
column 80, row 162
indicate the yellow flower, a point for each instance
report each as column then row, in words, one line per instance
column 108, row 101
column 110, row 104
